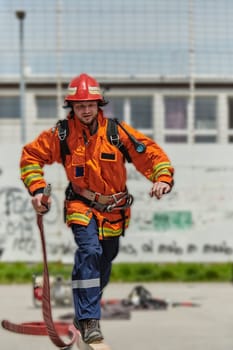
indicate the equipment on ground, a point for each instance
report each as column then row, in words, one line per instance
column 139, row 298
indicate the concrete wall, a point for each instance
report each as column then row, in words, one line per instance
column 193, row 223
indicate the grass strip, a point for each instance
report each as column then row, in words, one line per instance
column 127, row 272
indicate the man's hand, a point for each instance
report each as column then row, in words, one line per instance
column 159, row 189
column 39, row 207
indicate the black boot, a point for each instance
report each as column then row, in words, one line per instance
column 90, row 330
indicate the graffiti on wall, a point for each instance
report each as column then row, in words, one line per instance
column 193, row 223
column 155, row 242
column 16, row 219
column 176, row 249
column 18, row 225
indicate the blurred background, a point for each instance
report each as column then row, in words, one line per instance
column 165, row 66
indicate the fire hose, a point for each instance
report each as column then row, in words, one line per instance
column 53, row 329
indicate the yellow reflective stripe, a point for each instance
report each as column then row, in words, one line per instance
column 127, row 223
column 109, row 233
column 163, row 172
column 29, row 179
column 106, row 231
column 162, row 165
column 31, row 168
column 160, row 169
column 78, row 217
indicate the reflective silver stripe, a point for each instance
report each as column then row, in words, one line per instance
column 95, row 282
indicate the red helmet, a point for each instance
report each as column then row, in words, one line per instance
column 84, row 88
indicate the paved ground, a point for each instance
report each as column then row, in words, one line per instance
column 208, row 327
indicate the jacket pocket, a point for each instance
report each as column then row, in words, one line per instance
column 78, row 162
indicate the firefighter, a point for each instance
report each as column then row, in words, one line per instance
column 97, row 200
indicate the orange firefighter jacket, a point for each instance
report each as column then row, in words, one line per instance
column 88, row 167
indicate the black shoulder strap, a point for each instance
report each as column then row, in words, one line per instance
column 114, row 139
column 63, row 132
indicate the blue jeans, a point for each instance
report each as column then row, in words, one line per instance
column 92, row 269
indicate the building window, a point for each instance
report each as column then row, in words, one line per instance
column 115, row 108
column 46, row 107
column 9, row 107
column 230, row 113
column 176, row 138
column 205, row 119
column 205, row 139
column 175, row 119
column 176, row 112
column 141, row 112
column 136, row 111
column 205, row 112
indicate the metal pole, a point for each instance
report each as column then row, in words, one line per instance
column 21, row 15
column 191, row 104
column 58, row 59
